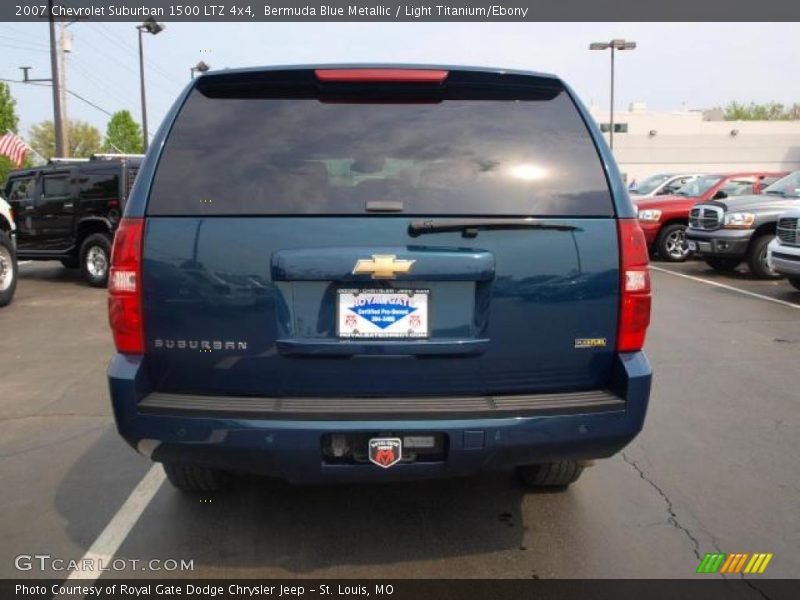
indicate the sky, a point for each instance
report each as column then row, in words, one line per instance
column 675, row 66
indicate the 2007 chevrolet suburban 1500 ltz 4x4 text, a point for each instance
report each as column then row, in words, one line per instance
column 378, row 273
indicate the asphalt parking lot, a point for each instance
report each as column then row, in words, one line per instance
column 716, row 468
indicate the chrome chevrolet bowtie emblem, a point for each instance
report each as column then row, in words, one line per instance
column 382, row 266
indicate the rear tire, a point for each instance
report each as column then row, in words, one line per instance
column 795, row 281
column 722, row 264
column 549, row 475
column 757, row 258
column 95, row 259
column 194, row 478
column 671, row 243
column 8, row 269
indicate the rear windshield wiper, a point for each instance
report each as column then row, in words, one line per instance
column 470, row 227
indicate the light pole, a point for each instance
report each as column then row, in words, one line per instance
column 148, row 26
column 616, row 44
column 200, row 67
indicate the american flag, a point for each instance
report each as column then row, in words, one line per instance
column 14, row 148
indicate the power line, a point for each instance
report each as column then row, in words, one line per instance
column 108, row 34
column 23, row 48
column 70, row 92
column 17, row 40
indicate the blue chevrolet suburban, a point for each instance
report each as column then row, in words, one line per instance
column 378, row 273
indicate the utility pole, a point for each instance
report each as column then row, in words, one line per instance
column 58, row 122
column 64, row 46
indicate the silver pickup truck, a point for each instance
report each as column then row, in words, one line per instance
column 783, row 254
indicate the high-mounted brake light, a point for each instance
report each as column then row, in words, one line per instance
column 125, row 287
column 635, row 298
column 381, row 75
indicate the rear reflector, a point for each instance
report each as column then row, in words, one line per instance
column 381, row 75
column 635, row 298
column 124, row 287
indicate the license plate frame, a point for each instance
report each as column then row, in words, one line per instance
column 387, row 301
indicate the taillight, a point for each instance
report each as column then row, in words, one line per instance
column 382, row 75
column 125, row 287
column 634, row 308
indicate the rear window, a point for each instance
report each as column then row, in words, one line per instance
column 467, row 150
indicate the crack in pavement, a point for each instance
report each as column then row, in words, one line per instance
column 673, row 520
column 673, row 517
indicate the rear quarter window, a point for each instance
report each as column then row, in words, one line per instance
column 525, row 153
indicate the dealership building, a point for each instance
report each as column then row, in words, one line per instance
column 648, row 142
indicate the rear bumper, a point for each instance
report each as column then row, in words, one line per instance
column 722, row 242
column 784, row 259
column 290, row 446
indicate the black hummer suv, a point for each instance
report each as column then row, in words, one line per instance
column 726, row 232
column 69, row 209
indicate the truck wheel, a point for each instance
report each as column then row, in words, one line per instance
column 549, row 475
column 671, row 243
column 70, row 263
column 795, row 281
column 194, row 478
column 757, row 258
column 96, row 259
column 8, row 269
column 722, row 264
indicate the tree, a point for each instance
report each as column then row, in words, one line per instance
column 8, row 122
column 123, row 134
column 84, row 139
column 770, row 111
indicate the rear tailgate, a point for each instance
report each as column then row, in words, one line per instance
column 364, row 238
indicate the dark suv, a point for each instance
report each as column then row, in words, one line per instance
column 69, row 209
column 378, row 273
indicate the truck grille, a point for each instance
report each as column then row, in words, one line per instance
column 788, row 232
column 705, row 217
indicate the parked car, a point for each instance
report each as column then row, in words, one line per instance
column 68, row 210
column 725, row 232
column 8, row 255
column 664, row 218
column 661, row 184
column 355, row 295
column 783, row 252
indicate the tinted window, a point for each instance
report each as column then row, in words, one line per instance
column 56, row 186
column 21, row 189
column 99, row 185
column 256, row 155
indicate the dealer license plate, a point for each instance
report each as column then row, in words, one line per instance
column 379, row 314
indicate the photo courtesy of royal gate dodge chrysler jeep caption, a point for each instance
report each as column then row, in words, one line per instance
column 399, row 273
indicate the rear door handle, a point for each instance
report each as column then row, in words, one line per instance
column 68, row 205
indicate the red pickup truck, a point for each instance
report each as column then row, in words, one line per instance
column 664, row 218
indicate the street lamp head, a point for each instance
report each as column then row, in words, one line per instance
column 599, row 46
column 150, row 25
column 620, row 44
